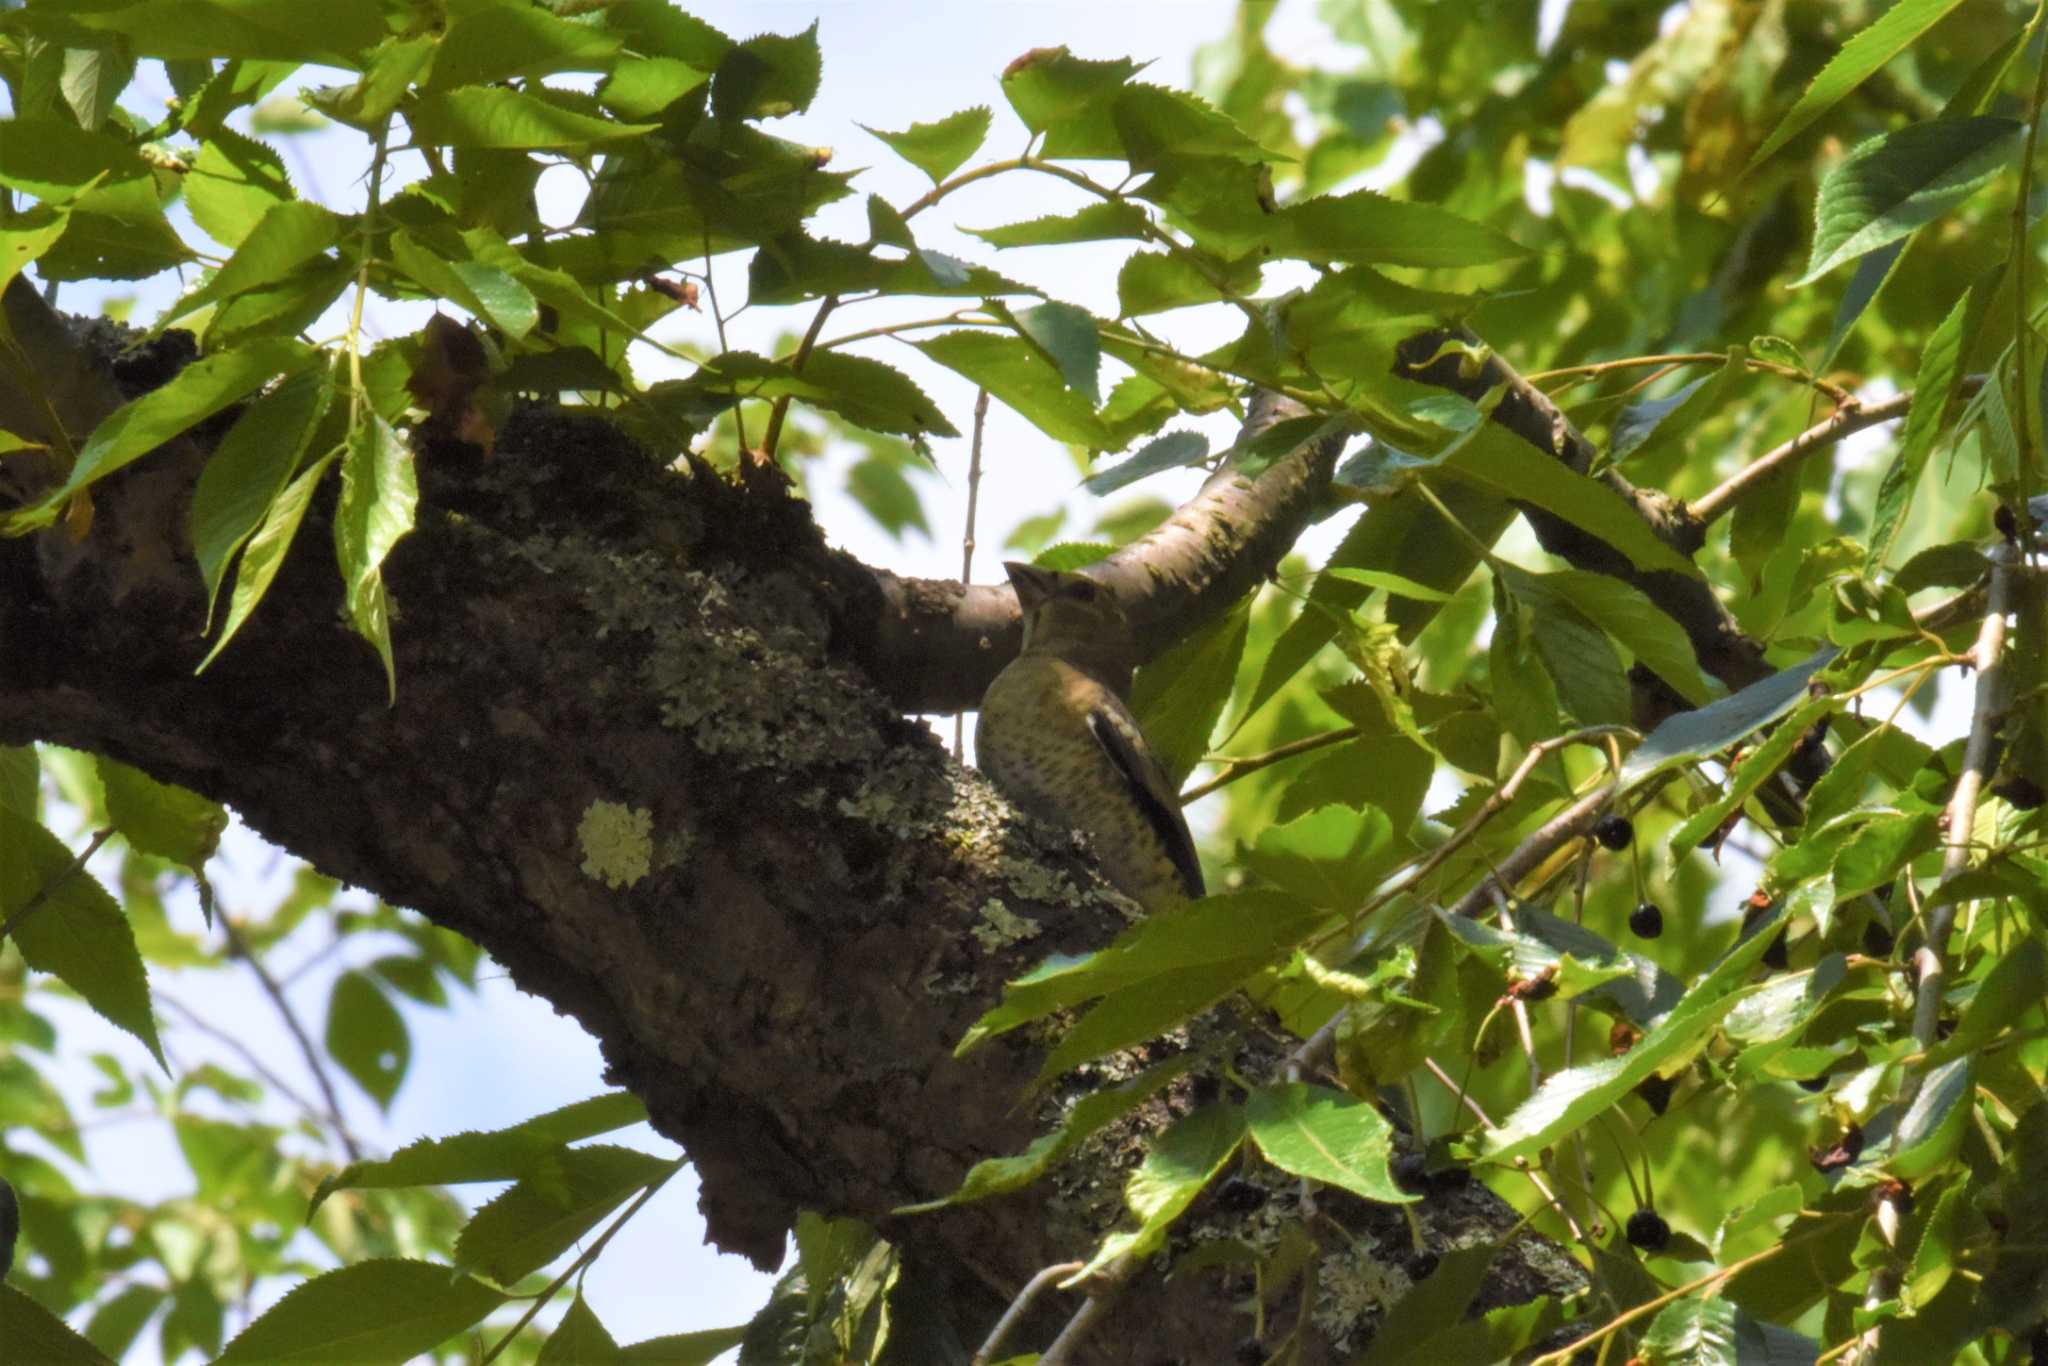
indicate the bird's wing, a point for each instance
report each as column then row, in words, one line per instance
column 1118, row 734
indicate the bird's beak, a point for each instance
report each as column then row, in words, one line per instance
column 1033, row 585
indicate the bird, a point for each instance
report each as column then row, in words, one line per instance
column 1057, row 738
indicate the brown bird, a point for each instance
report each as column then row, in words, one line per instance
column 1056, row 736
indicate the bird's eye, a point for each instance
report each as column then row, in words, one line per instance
column 1082, row 591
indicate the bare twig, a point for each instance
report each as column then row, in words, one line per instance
column 255, row 1064
column 1101, row 1292
column 1017, row 1309
column 967, row 539
column 317, row 1065
column 1844, row 421
column 1233, row 769
column 1464, row 1098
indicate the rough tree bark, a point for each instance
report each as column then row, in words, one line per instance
column 643, row 751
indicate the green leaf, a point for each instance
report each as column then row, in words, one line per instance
column 493, row 295
column 940, row 148
column 1067, row 335
column 288, row 236
column 1155, row 281
column 1710, row 729
column 1931, row 1130
column 523, row 1229
column 1701, row 1331
column 879, row 485
column 488, row 116
column 1932, row 389
column 2016, row 984
column 1019, row 374
column 418, row 1306
column 1087, row 1115
column 1178, row 1165
column 76, row 933
column 1326, row 1136
column 248, row 471
column 159, row 818
column 33, row 1333
column 266, row 552
column 117, row 1321
column 233, row 182
column 768, row 76
column 1173, row 451
column 1367, row 228
column 1179, row 696
column 1103, row 221
column 498, row 1155
column 1158, row 126
column 53, row 159
column 1495, row 458
column 196, row 393
column 579, row 1338
column 1627, row 614
column 685, row 1349
column 379, row 493
column 1068, row 100
column 1860, row 58
column 367, row 1036
column 1425, row 1326
column 864, row 392
column 21, row 779
column 1654, row 425
column 1568, row 1100
column 1220, row 936
column 1902, row 180
column 500, row 42
column 1753, row 772
column 24, row 237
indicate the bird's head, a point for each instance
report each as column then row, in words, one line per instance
column 1070, row 615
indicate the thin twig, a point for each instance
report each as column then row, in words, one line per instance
column 1101, row 1292
column 1018, row 1306
column 48, row 889
column 1233, row 769
column 540, row 1301
column 1550, row 1197
column 967, row 540
column 248, row 1055
column 317, row 1065
column 1844, row 422
column 1673, row 361
column 779, row 409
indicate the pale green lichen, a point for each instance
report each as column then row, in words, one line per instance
column 1355, row 1287
column 1000, row 927
column 617, row 843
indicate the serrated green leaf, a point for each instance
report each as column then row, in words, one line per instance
column 367, row 1037
column 53, row 159
column 1710, row 729
column 492, row 294
column 287, row 237
column 685, row 1349
column 1068, row 100
column 523, row 1229
column 1067, row 335
column 248, row 471
column 1567, row 1100
column 941, row 147
column 33, row 1333
column 419, row 1306
column 1179, row 696
column 500, row 42
column 1900, row 181
column 1932, row 389
column 1020, row 375
column 196, row 393
column 1367, row 228
column 498, row 1155
column 1860, row 58
column 266, row 551
column 1753, row 772
column 1172, row 451
column 1327, row 1136
column 24, row 237
column 1648, row 427
column 233, row 182
column 578, row 1339
column 768, row 76
column 159, row 818
column 76, row 932
column 488, row 116
column 1088, row 1114
column 1178, row 1165
column 379, row 494
column 1103, row 221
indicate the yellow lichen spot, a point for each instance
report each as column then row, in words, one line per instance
column 617, row 843
column 1001, row 926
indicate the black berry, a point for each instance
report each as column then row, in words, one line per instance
column 1646, row 921
column 1656, row 1092
column 1819, row 1083
column 1420, row 1265
column 1615, row 832
column 1239, row 1196
column 1648, row 1231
